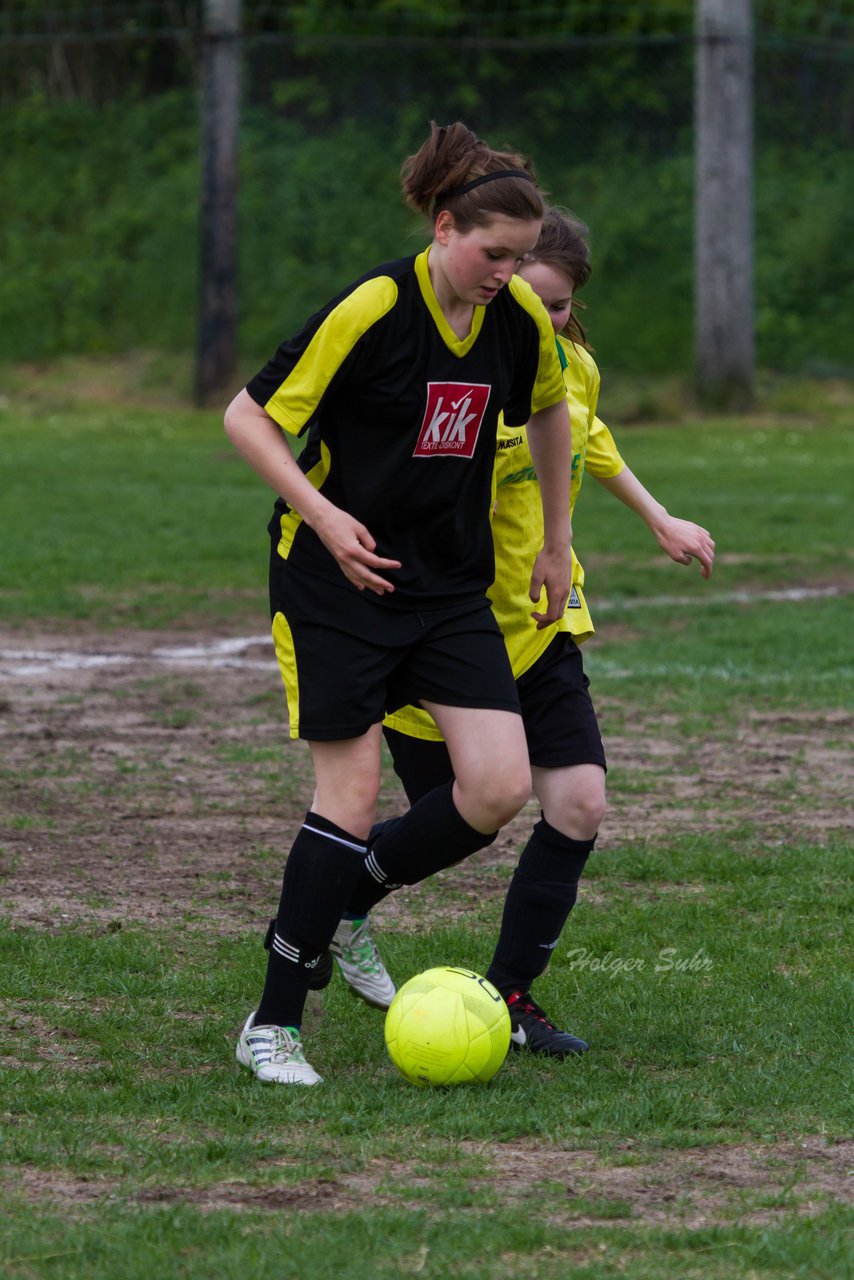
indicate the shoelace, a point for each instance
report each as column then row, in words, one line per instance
column 286, row 1049
column 528, row 1007
column 364, row 952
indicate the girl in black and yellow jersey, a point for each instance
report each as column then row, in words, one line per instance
column 565, row 747
column 382, row 553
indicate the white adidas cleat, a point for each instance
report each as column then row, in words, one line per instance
column 274, row 1055
column 359, row 961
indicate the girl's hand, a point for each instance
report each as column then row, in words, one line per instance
column 353, row 547
column 552, row 570
column 260, row 440
column 684, row 541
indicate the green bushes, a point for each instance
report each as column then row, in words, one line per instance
column 98, row 227
column 98, row 233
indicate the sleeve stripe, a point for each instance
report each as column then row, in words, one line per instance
column 549, row 388
column 296, row 400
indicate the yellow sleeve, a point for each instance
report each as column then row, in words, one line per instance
column 304, row 374
column 603, row 457
column 549, row 388
column 593, row 384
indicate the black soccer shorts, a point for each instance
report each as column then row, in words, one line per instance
column 557, row 711
column 346, row 659
column 560, row 721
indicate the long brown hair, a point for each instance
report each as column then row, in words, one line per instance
column 564, row 244
column 452, row 157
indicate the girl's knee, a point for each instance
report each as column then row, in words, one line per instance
column 491, row 800
column 578, row 815
column 512, row 796
column 591, row 811
column 350, row 803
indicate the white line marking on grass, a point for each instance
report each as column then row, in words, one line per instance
column 20, row 663
column 782, row 594
column 24, row 664
column 731, row 672
column 218, row 650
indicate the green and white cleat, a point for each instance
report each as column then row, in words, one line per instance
column 274, row 1055
column 359, row 961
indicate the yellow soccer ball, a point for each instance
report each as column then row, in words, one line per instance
column 447, row 1026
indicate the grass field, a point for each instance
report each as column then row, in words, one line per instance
column 149, row 793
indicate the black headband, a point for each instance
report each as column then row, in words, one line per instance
column 487, row 177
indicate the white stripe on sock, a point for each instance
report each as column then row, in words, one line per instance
column 349, row 844
column 373, row 868
column 285, row 949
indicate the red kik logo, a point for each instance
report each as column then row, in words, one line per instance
column 452, row 419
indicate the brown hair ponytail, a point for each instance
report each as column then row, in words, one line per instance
column 457, row 171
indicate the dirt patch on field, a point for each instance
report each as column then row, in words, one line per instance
column 694, row 1188
column 144, row 774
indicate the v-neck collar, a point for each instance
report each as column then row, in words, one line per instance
column 458, row 346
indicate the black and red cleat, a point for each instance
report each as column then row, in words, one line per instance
column 532, row 1030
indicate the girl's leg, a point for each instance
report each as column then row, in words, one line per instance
column 489, row 757
column 323, row 867
column 347, row 780
column 492, row 782
column 572, row 798
column 420, row 763
column 545, row 883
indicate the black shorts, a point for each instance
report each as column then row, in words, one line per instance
column 560, row 722
column 347, row 660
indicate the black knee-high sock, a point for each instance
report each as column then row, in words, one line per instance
column 427, row 839
column 322, row 868
column 541, row 895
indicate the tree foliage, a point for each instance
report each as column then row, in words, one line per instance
column 99, row 221
column 100, row 161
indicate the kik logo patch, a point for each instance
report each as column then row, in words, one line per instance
column 452, row 419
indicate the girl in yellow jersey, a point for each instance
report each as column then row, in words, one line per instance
column 565, row 747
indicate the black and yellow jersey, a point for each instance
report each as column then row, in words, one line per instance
column 518, row 529
column 402, row 417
